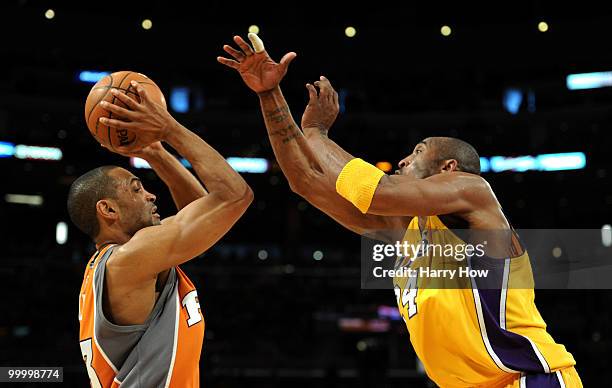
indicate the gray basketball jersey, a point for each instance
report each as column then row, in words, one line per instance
column 153, row 354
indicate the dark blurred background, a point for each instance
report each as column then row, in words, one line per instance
column 281, row 293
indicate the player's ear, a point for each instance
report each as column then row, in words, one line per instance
column 107, row 208
column 450, row 165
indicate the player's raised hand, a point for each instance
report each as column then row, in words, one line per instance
column 322, row 108
column 255, row 66
column 150, row 120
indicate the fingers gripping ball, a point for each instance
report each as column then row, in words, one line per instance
column 121, row 80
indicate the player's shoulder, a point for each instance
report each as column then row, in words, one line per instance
column 168, row 220
column 471, row 186
column 469, row 181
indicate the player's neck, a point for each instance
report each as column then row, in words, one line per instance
column 111, row 237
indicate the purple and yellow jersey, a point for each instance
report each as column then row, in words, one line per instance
column 164, row 351
column 467, row 336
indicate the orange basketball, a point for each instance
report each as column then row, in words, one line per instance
column 108, row 136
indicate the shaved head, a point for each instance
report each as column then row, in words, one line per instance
column 446, row 148
column 85, row 192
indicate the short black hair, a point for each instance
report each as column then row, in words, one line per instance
column 84, row 193
column 452, row 148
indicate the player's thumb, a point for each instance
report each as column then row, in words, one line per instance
column 286, row 59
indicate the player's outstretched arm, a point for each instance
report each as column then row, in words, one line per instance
column 446, row 193
column 197, row 226
column 394, row 195
column 302, row 165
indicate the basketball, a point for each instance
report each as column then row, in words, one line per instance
column 121, row 80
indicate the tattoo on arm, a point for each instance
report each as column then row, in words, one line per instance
column 279, row 116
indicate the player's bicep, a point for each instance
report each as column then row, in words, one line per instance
column 398, row 195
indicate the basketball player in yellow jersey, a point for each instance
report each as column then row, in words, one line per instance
column 140, row 318
column 465, row 337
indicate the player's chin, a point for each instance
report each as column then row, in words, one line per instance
column 155, row 219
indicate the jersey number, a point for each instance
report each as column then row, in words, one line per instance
column 408, row 295
column 190, row 302
column 87, row 352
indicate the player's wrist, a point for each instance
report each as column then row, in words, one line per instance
column 154, row 154
column 311, row 130
column 270, row 92
column 172, row 132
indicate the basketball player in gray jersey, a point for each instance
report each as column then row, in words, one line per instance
column 140, row 320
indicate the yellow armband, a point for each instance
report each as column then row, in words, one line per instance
column 357, row 183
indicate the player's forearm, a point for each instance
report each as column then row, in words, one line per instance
column 328, row 151
column 292, row 151
column 184, row 187
column 214, row 171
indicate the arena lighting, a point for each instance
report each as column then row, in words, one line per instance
column 362, row 346
column 262, row 254
column 544, row 162
column 61, row 233
column 254, row 29
column 485, row 166
column 6, row 149
column 250, row 165
column 565, row 161
column 92, row 76
column 34, row 152
column 445, row 30
column 384, row 166
column 363, row 325
column 24, row 199
column 139, row 163
column 179, row 99
column 49, row 14
column 389, row 312
column 606, row 235
column 147, row 24
column 589, row 80
column 512, row 100
column 350, row 31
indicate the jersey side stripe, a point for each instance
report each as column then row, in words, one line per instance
column 560, row 377
column 93, row 289
column 540, row 356
column 483, row 332
column 514, row 351
column 504, row 294
column 502, row 314
column 174, row 346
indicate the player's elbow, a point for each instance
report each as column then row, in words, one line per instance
column 304, row 184
column 248, row 195
column 245, row 197
column 236, row 191
column 300, row 187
